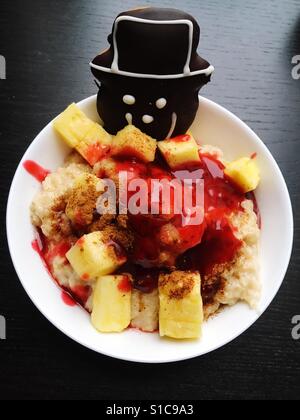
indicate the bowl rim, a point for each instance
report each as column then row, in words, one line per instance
column 269, row 300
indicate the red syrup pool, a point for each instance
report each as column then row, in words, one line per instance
column 221, row 198
column 203, row 246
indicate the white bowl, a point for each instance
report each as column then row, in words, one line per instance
column 213, row 125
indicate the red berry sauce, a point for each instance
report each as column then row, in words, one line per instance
column 125, row 285
column 35, row 170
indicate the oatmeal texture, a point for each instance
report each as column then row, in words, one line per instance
column 240, row 280
column 48, row 207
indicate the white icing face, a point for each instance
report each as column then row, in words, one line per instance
column 161, row 103
column 129, row 99
column 147, row 119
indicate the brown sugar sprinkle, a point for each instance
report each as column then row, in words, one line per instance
column 60, row 203
column 60, row 224
column 135, row 137
column 125, row 238
column 210, row 287
column 178, row 284
column 103, row 222
column 122, row 221
column 214, row 283
column 82, row 201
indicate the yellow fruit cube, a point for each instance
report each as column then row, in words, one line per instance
column 92, row 256
column 95, row 145
column 112, row 303
column 181, row 307
column 180, row 152
column 244, row 173
column 83, row 134
column 72, row 125
column 132, row 143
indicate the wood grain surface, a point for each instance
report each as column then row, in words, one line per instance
column 47, row 46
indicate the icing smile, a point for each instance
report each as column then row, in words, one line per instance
column 148, row 119
column 173, row 125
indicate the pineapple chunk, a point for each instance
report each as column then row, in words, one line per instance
column 180, row 152
column 112, row 304
column 95, row 145
column 181, row 307
column 132, row 143
column 92, row 257
column 72, row 125
column 83, row 134
column 244, row 173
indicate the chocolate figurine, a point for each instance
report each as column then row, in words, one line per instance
column 151, row 74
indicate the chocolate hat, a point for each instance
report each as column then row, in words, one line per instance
column 151, row 74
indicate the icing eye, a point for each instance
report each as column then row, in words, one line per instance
column 161, row 103
column 147, row 119
column 129, row 99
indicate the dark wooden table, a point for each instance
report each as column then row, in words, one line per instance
column 47, row 46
